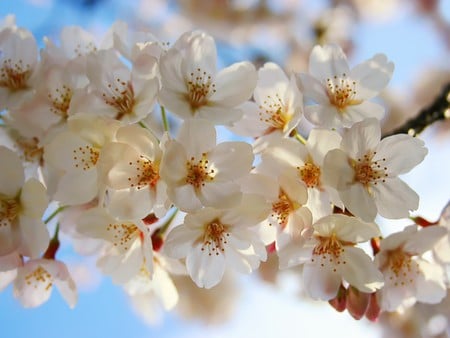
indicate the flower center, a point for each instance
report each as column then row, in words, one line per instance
column 310, row 175
column 85, row 157
column 328, row 251
column 402, row 266
column 123, row 234
column 199, row 87
column 214, row 237
column 147, row 173
column 341, row 92
column 273, row 113
column 14, row 76
column 39, row 276
column 61, row 101
column 369, row 172
column 282, row 208
column 29, row 149
column 120, row 97
column 199, row 172
column 9, row 210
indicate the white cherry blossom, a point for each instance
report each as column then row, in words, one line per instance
column 364, row 171
column 212, row 239
column 74, row 154
column 131, row 164
column 18, row 64
column 129, row 245
column 305, row 164
column 341, row 94
column 200, row 173
column 22, row 205
column 192, row 87
column 330, row 256
column 278, row 105
column 35, row 280
column 408, row 275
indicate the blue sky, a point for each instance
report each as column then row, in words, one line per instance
column 104, row 311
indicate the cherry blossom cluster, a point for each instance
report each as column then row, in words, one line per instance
column 118, row 141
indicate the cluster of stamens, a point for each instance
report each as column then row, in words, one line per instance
column 124, row 234
column 369, row 172
column 39, row 276
column 199, row 87
column 214, row 237
column 328, row 251
column 403, row 267
column 282, row 208
column 84, row 49
column 147, row 173
column 29, row 149
column 273, row 113
column 61, row 101
column 199, row 172
column 310, row 174
column 341, row 92
column 14, row 75
column 9, row 209
column 85, row 157
column 120, row 97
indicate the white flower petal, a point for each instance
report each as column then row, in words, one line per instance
column 11, row 175
column 205, row 270
column 320, row 282
column 328, row 61
column 394, row 198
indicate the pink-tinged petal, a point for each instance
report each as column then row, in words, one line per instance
column 173, row 164
column 34, row 235
column 141, row 139
column 337, row 172
column 359, row 112
column 198, row 136
column 424, row 240
column 328, row 61
column 320, row 142
column 401, row 153
column 176, row 103
column 321, row 282
column 431, row 287
column 180, row 241
column 394, row 198
column 325, row 116
column 250, row 124
column 372, row 76
column 237, row 260
column 10, row 262
column 66, row 285
column 234, row 84
column 200, row 53
column 221, row 195
column 219, row 115
column 205, row 270
column 361, row 138
column 359, row 202
column 130, row 203
column 77, row 187
column 11, row 175
column 33, row 199
column 231, row 160
column 313, row 89
column 171, row 76
column 7, row 277
column 295, row 253
column 360, row 271
column 185, row 198
column 352, row 229
column 271, row 75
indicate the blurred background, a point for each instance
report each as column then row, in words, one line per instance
column 414, row 34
